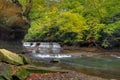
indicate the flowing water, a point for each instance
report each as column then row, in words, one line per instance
column 106, row 67
column 45, row 50
column 103, row 67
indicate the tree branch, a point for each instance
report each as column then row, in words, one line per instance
column 28, row 8
column 17, row 3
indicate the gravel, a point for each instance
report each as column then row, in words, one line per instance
column 71, row 75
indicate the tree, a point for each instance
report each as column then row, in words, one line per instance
column 75, row 21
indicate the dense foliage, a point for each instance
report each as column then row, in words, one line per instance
column 75, row 22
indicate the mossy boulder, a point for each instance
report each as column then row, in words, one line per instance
column 5, row 71
column 21, row 74
column 10, row 57
column 25, row 59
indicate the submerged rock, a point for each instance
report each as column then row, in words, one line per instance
column 55, row 60
column 10, row 57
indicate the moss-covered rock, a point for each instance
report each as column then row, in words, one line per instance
column 21, row 74
column 25, row 59
column 5, row 71
column 10, row 57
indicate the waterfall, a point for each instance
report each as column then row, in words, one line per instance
column 45, row 49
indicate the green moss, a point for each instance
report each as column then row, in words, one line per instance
column 25, row 59
column 10, row 57
column 1, row 78
column 5, row 71
column 21, row 74
column 42, row 70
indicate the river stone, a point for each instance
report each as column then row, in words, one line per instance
column 21, row 74
column 55, row 60
column 10, row 57
column 5, row 71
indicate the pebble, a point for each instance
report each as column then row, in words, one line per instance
column 72, row 75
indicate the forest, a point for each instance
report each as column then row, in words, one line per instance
column 76, row 22
column 72, row 22
column 59, row 39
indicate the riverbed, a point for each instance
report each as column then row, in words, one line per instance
column 95, row 63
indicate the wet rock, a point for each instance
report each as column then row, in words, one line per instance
column 10, row 57
column 55, row 60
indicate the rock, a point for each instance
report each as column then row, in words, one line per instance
column 10, row 57
column 13, row 24
column 25, row 59
column 55, row 60
column 21, row 74
column 5, row 71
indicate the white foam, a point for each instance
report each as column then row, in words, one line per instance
column 115, row 56
column 52, row 56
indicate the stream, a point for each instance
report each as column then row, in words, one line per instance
column 106, row 67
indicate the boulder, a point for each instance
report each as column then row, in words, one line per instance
column 10, row 57
column 55, row 60
column 25, row 59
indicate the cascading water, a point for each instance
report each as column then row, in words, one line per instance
column 45, row 49
column 53, row 56
column 46, row 52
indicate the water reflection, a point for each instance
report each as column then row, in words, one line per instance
column 103, row 67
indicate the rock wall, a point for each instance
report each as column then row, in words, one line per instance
column 13, row 24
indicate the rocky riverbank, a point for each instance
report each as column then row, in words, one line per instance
column 71, row 75
column 16, row 69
